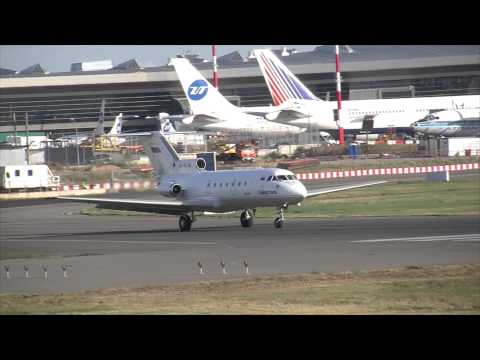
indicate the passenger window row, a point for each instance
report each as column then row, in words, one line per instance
column 220, row 184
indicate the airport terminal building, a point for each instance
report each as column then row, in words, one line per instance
column 58, row 102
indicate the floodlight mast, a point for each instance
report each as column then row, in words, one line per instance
column 341, row 132
column 215, row 69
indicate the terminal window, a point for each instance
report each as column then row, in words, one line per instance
column 30, row 172
column 17, row 172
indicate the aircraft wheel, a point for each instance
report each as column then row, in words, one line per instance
column 278, row 223
column 185, row 223
column 246, row 219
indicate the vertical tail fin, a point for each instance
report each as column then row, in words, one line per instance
column 117, row 125
column 100, row 130
column 164, row 158
column 282, row 83
column 161, row 154
column 202, row 96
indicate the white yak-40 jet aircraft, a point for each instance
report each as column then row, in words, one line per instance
column 193, row 189
column 212, row 111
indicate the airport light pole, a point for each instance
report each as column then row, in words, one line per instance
column 76, row 141
column 215, row 69
column 341, row 132
column 28, row 139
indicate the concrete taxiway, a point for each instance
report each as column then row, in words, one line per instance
column 127, row 251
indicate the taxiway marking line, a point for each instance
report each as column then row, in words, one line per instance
column 115, row 241
column 463, row 237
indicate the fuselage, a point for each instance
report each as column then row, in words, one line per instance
column 246, row 123
column 386, row 113
column 448, row 128
column 231, row 190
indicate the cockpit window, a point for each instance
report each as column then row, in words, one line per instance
column 282, row 177
column 274, row 178
column 269, row 178
column 290, row 177
column 262, row 178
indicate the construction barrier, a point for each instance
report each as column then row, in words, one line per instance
column 137, row 185
column 127, row 185
column 385, row 171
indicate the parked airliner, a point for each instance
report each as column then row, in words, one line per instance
column 295, row 104
column 212, row 111
column 449, row 124
column 193, row 189
column 81, row 137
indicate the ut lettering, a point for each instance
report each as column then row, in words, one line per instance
column 197, row 90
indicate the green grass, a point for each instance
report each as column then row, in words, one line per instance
column 349, row 164
column 460, row 196
column 457, row 197
column 446, row 289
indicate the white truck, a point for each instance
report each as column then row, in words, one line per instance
column 459, row 146
column 27, row 177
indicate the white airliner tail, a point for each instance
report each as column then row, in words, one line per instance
column 99, row 131
column 202, row 96
column 282, row 83
column 117, row 125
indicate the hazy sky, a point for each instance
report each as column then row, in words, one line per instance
column 57, row 58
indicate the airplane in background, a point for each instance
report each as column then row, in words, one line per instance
column 294, row 99
column 449, row 124
column 79, row 138
column 212, row 111
column 194, row 189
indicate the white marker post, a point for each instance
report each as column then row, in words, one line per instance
column 246, row 267
column 201, row 267
column 27, row 275
column 64, row 268
column 45, row 271
column 7, row 270
column 222, row 264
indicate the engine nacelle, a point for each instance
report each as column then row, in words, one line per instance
column 170, row 189
column 175, row 189
column 188, row 120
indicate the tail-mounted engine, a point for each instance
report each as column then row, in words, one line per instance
column 170, row 189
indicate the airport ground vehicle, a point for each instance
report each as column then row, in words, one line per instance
column 246, row 153
column 27, row 177
column 232, row 152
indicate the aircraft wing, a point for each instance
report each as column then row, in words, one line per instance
column 341, row 188
column 284, row 115
column 200, row 120
column 152, row 206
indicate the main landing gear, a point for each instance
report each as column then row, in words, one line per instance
column 246, row 218
column 278, row 223
column 185, row 222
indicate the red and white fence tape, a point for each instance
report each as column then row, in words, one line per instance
column 128, row 185
column 385, row 171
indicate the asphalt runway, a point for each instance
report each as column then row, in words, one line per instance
column 131, row 251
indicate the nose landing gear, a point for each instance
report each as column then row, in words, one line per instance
column 278, row 223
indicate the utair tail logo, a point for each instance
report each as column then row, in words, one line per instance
column 197, row 90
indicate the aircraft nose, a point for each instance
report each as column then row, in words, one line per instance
column 301, row 191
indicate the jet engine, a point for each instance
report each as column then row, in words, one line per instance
column 175, row 189
column 170, row 189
